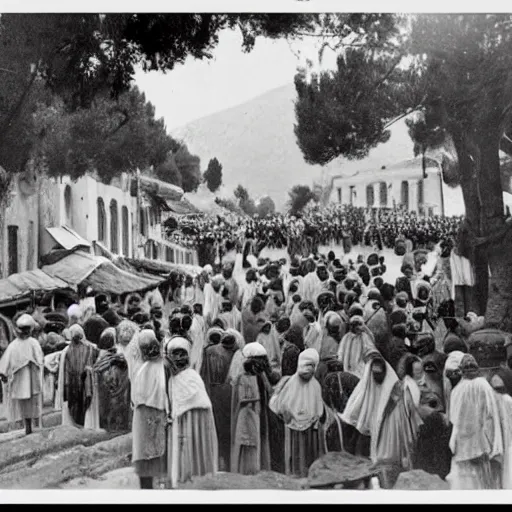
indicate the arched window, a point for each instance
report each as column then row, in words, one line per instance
column 102, row 220
column 404, row 194
column 68, row 206
column 370, row 196
column 126, row 231
column 114, row 227
column 143, row 222
column 421, row 195
column 383, row 193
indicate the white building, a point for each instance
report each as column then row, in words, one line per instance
column 43, row 214
column 400, row 185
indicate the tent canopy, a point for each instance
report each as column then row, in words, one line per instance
column 18, row 286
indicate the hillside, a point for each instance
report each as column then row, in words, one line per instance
column 257, row 147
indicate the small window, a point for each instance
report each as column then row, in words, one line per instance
column 114, row 227
column 352, row 194
column 339, row 194
column 421, row 194
column 370, row 196
column 31, row 250
column 126, row 232
column 383, row 193
column 12, row 236
column 68, row 206
column 102, row 221
column 404, row 194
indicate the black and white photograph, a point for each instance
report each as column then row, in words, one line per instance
column 255, row 249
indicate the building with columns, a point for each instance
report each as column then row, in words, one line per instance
column 399, row 185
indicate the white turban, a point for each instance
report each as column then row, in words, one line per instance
column 176, row 343
column 254, row 349
column 25, row 320
column 74, row 311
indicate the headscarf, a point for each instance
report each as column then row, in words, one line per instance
column 298, row 401
column 239, row 339
column 149, row 382
column 211, row 332
column 354, row 349
column 74, row 313
column 475, row 416
column 125, row 331
column 107, row 339
column 254, row 349
column 368, row 400
column 25, row 320
column 187, row 388
column 76, row 331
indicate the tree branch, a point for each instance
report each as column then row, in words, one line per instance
column 401, row 116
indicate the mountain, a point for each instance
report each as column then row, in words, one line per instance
column 257, row 147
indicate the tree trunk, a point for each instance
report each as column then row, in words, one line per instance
column 483, row 197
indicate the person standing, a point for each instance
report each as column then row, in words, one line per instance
column 476, row 441
column 150, row 411
column 21, row 367
column 215, row 370
column 192, row 448
column 298, row 401
column 80, row 355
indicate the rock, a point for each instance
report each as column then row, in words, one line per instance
column 46, row 441
column 54, row 469
column 263, row 480
column 419, row 480
column 340, row 468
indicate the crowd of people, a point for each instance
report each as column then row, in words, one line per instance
column 257, row 365
column 318, row 225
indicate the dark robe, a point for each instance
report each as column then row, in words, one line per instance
column 289, row 358
column 252, row 324
column 78, row 395
column 94, row 327
column 379, row 326
column 403, row 284
column 328, row 351
column 214, row 372
column 115, row 412
column 336, row 390
column 432, row 453
column 396, row 349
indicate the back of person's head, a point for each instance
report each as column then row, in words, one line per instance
column 399, row 330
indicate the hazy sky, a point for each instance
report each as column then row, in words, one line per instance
column 198, row 88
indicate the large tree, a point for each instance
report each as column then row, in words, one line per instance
column 110, row 137
column 213, row 175
column 79, row 56
column 266, row 206
column 457, row 70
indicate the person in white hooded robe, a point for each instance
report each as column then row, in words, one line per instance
column 476, row 441
column 21, row 368
column 355, row 347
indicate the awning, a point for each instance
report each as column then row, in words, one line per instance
column 74, row 268
column 100, row 274
column 109, row 278
column 67, row 237
column 21, row 285
column 157, row 268
column 182, row 207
